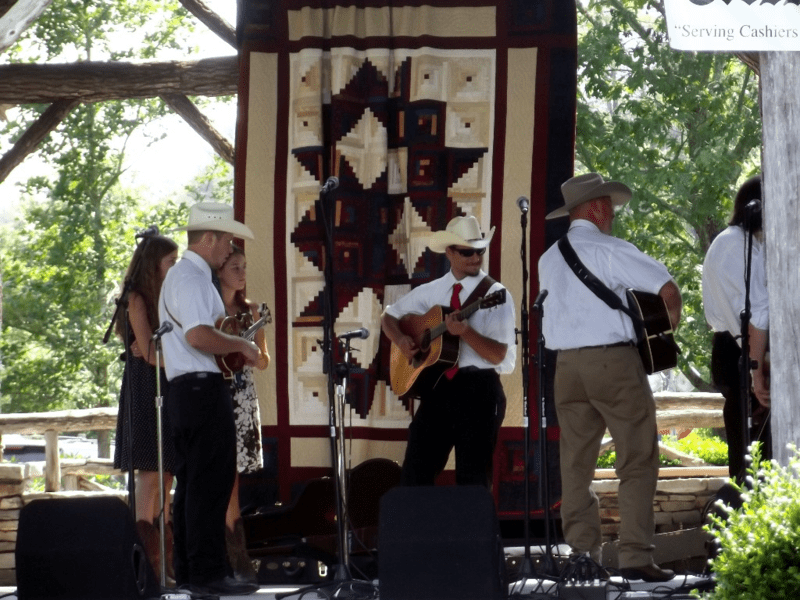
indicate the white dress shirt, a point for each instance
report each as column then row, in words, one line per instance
column 188, row 299
column 573, row 316
column 723, row 282
column 496, row 323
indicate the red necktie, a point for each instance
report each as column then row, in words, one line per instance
column 455, row 304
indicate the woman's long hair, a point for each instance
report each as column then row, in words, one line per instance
column 239, row 298
column 146, row 280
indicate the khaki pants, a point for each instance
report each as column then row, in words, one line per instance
column 595, row 389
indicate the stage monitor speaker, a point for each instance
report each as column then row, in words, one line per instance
column 81, row 549
column 440, row 543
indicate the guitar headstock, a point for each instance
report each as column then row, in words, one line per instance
column 265, row 313
column 494, row 299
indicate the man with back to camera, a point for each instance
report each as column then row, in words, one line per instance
column 600, row 381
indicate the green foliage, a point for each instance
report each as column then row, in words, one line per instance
column 63, row 261
column 703, row 444
column 681, row 129
column 759, row 542
column 608, row 460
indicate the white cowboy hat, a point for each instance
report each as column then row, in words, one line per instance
column 460, row 231
column 587, row 187
column 215, row 216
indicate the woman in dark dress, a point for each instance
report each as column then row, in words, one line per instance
column 153, row 256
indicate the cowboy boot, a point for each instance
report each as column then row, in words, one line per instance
column 169, row 554
column 237, row 553
column 148, row 535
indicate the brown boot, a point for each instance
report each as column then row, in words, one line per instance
column 168, row 551
column 237, row 553
column 148, row 535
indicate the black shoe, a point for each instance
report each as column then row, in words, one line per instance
column 227, row 586
column 650, row 573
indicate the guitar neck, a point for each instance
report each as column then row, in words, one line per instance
column 250, row 333
column 466, row 313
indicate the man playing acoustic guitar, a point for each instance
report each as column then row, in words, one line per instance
column 463, row 404
column 600, row 381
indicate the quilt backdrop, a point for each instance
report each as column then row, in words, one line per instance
column 423, row 111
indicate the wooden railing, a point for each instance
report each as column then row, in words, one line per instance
column 673, row 411
column 52, row 424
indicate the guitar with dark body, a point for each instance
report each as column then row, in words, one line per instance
column 656, row 341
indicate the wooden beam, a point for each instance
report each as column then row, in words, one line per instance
column 197, row 120
column 97, row 81
column 31, row 139
column 211, row 20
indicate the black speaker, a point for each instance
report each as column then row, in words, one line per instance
column 440, row 543
column 81, row 549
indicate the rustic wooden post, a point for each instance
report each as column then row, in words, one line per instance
column 52, row 469
column 780, row 80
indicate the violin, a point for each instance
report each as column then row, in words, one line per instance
column 241, row 325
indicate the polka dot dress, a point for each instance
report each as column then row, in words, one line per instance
column 143, row 409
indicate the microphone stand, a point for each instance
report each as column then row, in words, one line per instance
column 526, row 569
column 549, row 565
column 745, row 363
column 165, row 328
column 342, row 581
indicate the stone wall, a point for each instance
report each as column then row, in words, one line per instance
column 12, row 486
column 678, row 504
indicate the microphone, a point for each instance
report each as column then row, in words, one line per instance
column 537, row 304
column 331, row 184
column 166, row 327
column 753, row 207
column 362, row 334
column 150, row 231
column 523, row 204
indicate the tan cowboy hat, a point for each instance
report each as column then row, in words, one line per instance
column 215, row 216
column 587, row 187
column 460, row 231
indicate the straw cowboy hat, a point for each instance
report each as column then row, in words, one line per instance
column 587, row 187
column 460, row 231
column 215, row 216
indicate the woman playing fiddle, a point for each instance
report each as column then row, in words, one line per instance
column 233, row 277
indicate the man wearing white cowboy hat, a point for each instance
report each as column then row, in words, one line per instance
column 463, row 407
column 600, row 381
column 199, row 401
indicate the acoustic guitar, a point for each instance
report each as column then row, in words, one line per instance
column 656, row 342
column 242, row 325
column 437, row 348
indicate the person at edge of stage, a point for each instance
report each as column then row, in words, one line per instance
column 153, row 257
column 465, row 410
column 723, row 303
column 600, row 381
column 199, row 401
column 233, row 279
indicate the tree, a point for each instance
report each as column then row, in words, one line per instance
column 62, row 268
column 681, row 129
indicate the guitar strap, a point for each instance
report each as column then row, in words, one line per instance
column 480, row 290
column 593, row 283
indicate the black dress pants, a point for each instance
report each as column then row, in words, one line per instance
column 204, row 433
column 725, row 355
column 464, row 413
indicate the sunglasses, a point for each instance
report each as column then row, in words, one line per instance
column 469, row 252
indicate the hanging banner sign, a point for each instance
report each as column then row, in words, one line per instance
column 733, row 25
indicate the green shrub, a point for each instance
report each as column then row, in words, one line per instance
column 759, row 542
column 703, row 444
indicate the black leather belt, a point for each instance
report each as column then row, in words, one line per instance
column 628, row 344
column 194, row 376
